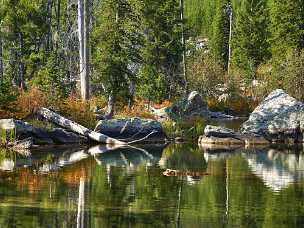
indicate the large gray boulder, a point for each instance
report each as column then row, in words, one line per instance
column 278, row 116
column 62, row 136
column 131, row 129
column 221, row 136
column 221, row 132
column 25, row 130
column 192, row 105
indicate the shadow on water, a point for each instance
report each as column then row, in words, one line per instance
column 125, row 187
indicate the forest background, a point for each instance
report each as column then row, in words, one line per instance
column 120, row 55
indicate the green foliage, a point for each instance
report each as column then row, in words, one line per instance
column 50, row 80
column 7, row 94
column 187, row 129
column 153, row 85
column 199, row 17
column 250, row 46
column 286, row 27
column 116, row 40
column 204, row 74
column 162, row 48
column 290, row 75
column 219, row 42
column 7, row 136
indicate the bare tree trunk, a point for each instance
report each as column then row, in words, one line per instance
column 83, row 48
column 49, row 45
column 21, row 82
column 81, row 197
column 1, row 59
column 58, row 17
column 184, row 46
column 132, row 93
column 111, row 106
column 75, row 127
column 230, row 36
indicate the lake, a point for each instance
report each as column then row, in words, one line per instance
column 126, row 187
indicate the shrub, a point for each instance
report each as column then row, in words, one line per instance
column 29, row 102
column 289, row 75
column 137, row 110
column 7, row 94
column 189, row 129
column 204, row 74
column 75, row 109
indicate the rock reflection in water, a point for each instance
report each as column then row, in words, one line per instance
column 277, row 169
column 130, row 157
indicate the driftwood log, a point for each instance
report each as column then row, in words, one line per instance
column 75, row 127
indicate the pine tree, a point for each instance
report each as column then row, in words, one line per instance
column 162, row 50
column 287, row 27
column 116, row 40
column 219, row 39
column 250, row 44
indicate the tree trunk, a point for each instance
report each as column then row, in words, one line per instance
column 111, row 107
column 230, row 36
column 21, row 82
column 132, row 93
column 49, row 45
column 83, row 48
column 184, row 46
column 58, row 17
column 81, row 198
column 70, row 125
column 1, row 59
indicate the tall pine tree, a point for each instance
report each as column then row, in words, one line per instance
column 250, row 45
column 287, row 27
column 219, row 41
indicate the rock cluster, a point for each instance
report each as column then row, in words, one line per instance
column 214, row 135
column 278, row 119
column 23, row 130
column 192, row 105
column 132, row 129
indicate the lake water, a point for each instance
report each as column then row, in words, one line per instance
column 125, row 187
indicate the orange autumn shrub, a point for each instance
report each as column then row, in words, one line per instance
column 29, row 102
column 164, row 104
column 138, row 110
column 75, row 109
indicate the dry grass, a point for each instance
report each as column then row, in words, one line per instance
column 138, row 110
column 77, row 110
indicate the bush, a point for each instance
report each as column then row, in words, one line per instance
column 7, row 94
column 29, row 102
column 137, row 110
column 75, row 109
column 289, row 75
column 204, row 74
column 189, row 129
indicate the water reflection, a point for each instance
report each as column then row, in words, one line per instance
column 125, row 187
column 277, row 169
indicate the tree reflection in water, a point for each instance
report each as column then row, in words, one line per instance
column 124, row 187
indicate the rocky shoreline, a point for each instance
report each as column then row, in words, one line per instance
column 279, row 119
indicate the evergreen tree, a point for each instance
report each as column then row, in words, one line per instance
column 199, row 15
column 116, row 41
column 162, row 50
column 286, row 27
column 250, row 45
column 219, row 40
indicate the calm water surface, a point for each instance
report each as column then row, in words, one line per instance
column 125, row 187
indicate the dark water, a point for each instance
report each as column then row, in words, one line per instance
column 127, row 188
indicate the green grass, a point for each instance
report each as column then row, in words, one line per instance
column 189, row 129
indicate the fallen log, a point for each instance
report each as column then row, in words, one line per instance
column 75, row 127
